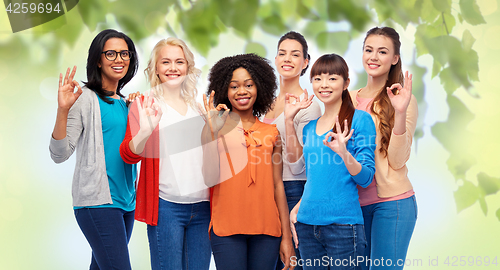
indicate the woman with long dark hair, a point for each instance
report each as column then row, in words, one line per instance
column 389, row 204
column 93, row 120
column 291, row 62
column 338, row 155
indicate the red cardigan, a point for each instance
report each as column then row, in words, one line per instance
column 147, row 196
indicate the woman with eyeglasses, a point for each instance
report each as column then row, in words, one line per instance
column 93, row 121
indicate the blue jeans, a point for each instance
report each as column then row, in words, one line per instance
column 108, row 232
column 293, row 191
column 245, row 252
column 388, row 228
column 334, row 246
column 180, row 239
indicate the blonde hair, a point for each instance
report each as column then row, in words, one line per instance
column 188, row 86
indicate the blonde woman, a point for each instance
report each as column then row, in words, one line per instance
column 163, row 132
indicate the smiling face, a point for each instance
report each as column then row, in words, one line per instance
column 328, row 88
column 242, row 92
column 290, row 59
column 378, row 55
column 171, row 66
column 113, row 71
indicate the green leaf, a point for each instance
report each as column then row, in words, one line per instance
column 429, row 12
column 313, row 28
column 498, row 214
column 467, row 40
column 203, row 32
column 452, row 133
column 273, row 25
column 442, row 5
column 72, row 30
column 446, row 22
column 472, row 65
column 466, row 196
column 418, row 90
column 448, row 51
column 243, row 15
column 356, row 14
column 305, row 12
column 470, row 12
column 93, row 12
column 448, row 80
column 423, row 36
column 490, row 185
column 436, row 68
column 322, row 8
column 265, row 10
column 401, row 12
column 257, row 48
column 482, row 203
column 333, row 42
column 383, row 9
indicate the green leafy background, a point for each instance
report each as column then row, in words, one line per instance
column 451, row 47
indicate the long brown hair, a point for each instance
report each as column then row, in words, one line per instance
column 385, row 111
column 335, row 64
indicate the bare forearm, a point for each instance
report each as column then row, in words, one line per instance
column 59, row 132
column 211, row 159
column 293, row 146
column 138, row 142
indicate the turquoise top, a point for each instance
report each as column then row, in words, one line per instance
column 121, row 176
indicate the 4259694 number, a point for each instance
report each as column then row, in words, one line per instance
column 470, row 261
column 33, row 8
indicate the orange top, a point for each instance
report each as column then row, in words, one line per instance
column 243, row 202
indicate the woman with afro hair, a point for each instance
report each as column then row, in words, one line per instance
column 250, row 223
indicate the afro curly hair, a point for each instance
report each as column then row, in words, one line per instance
column 259, row 69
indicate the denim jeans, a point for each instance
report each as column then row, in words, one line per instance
column 334, row 246
column 293, row 191
column 389, row 227
column 245, row 252
column 180, row 239
column 108, row 232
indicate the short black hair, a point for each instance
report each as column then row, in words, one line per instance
column 259, row 69
column 94, row 79
column 300, row 39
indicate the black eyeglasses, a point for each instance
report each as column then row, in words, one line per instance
column 111, row 55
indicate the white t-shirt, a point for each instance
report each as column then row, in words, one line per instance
column 181, row 156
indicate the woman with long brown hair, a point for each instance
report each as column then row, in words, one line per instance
column 389, row 205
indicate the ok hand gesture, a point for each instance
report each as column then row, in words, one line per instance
column 401, row 99
column 66, row 95
column 291, row 109
column 338, row 145
column 213, row 117
column 149, row 113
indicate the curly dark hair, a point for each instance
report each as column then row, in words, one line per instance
column 259, row 69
